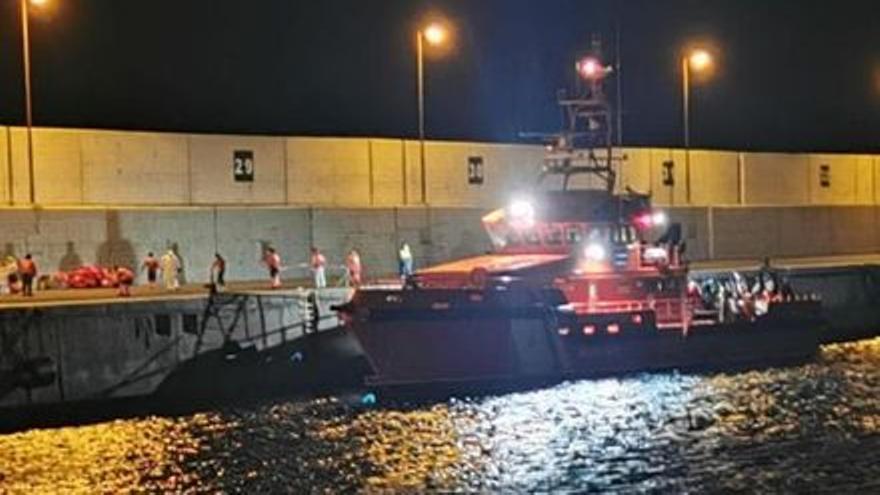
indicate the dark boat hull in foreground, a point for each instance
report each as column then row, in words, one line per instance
column 453, row 337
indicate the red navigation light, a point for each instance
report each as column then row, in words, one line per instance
column 591, row 68
column 613, row 328
column 648, row 219
column 644, row 220
column 589, row 329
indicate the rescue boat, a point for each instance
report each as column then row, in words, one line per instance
column 582, row 281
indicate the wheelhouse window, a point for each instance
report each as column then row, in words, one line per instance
column 553, row 235
column 624, row 234
column 574, row 234
column 532, row 238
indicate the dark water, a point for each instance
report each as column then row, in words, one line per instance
column 811, row 428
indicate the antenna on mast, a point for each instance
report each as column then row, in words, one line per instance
column 619, row 79
column 586, row 142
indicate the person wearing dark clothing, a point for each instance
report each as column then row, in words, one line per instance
column 151, row 265
column 28, row 270
column 218, row 270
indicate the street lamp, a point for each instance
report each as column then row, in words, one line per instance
column 697, row 60
column 434, row 34
column 29, row 114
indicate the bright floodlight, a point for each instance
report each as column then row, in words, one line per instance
column 434, row 34
column 594, row 252
column 659, row 218
column 522, row 209
column 39, row 3
column 700, row 60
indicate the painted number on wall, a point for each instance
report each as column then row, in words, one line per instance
column 825, row 175
column 668, row 173
column 475, row 170
column 243, row 165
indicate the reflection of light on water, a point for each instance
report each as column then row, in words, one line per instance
column 407, row 449
column 533, row 441
column 832, row 394
column 147, row 454
column 803, row 428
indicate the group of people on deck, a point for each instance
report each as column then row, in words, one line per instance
column 737, row 297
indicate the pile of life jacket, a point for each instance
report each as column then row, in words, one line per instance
column 87, row 277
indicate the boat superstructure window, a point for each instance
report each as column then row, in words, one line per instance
column 624, row 235
column 553, row 235
column 574, row 234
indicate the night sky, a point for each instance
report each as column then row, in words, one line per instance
column 792, row 75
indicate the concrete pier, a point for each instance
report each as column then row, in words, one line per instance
column 92, row 348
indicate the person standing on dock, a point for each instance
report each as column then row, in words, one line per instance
column 170, row 265
column 28, row 270
column 354, row 267
column 218, row 272
column 151, row 266
column 405, row 261
column 272, row 260
column 317, row 262
column 124, row 280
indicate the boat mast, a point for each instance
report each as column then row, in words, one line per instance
column 586, row 143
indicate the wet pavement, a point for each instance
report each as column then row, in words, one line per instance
column 810, row 428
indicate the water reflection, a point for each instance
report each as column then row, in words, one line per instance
column 807, row 428
column 135, row 455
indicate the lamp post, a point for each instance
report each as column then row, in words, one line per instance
column 29, row 115
column 697, row 60
column 433, row 34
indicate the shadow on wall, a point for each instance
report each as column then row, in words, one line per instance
column 71, row 259
column 470, row 244
column 115, row 250
column 265, row 245
column 8, row 250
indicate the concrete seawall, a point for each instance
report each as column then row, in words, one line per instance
column 127, row 349
column 61, row 239
column 109, row 196
column 86, row 167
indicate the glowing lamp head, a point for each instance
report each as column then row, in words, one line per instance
column 659, row 218
column 699, row 60
column 522, row 213
column 434, row 34
column 590, row 68
column 594, row 252
column 649, row 220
